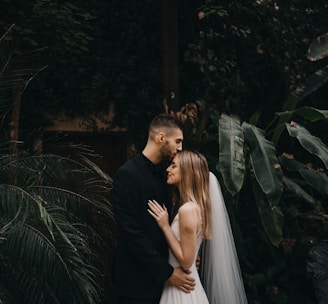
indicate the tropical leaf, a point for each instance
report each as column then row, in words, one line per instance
column 81, row 180
column 281, row 119
column 292, row 165
column 231, row 163
column 318, row 48
column 304, row 89
column 52, row 248
column 44, row 241
column 311, row 114
column 298, row 190
column 264, row 163
column 54, row 228
column 272, row 218
column 312, row 83
column 317, row 180
column 307, row 113
column 311, row 143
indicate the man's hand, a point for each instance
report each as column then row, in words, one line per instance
column 181, row 280
column 198, row 262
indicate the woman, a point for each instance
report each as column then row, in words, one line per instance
column 200, row 215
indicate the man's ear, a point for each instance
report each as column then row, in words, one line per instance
column 160, row 137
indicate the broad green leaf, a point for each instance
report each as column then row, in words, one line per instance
column 318, row 48
column 272, row 218
column 264, row 163
column 231, row 153
column 312, row 84
column 298, row 190
column 280, row 127
column 317, row 180
column 307, row 113
column 292, row 101
column 305, row 88
column 311, row 143
column 292, row 165
column 311, row 114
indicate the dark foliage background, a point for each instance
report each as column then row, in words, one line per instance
column 240, row 57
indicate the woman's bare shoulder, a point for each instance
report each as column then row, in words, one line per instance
column 188, row 207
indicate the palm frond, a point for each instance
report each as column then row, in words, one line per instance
column 32, row 252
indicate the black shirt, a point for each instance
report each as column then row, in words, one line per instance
column 141, row 263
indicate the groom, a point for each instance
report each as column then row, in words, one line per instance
column 141, row 266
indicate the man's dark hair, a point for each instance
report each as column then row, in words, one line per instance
column 164, row 121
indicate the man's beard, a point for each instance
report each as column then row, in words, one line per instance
column 166, row 153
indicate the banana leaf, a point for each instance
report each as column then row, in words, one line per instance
column 272, row 218
column 264, row 163
column 298, row 190
column 317, row 180
column 231, row 163
column 283, row 117
column 311, row 114
column 311, row 143
column 291, row 165
column 310, row 85
column 307, row 113
column 318, row 48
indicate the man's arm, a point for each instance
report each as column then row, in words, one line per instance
column 131, row 228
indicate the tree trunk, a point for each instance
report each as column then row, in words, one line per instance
column 170, row 54
column 15, row 115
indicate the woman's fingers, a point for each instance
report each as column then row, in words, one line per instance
column 156, row 207
column 153, row 214
column 155, row 210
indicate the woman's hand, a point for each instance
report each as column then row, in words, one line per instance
column 159, row 213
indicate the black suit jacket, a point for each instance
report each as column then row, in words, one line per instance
column 140, row 266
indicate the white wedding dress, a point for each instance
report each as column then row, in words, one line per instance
column 172, row 295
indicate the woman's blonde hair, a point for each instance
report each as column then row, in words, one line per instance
column 194, row 185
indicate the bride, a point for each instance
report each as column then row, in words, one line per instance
column 200, row 221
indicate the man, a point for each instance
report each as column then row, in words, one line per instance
column 140, row 265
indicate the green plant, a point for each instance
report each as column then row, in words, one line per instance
column 275, row 184
column 54, row 246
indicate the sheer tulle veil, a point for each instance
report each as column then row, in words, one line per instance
column 220, row 270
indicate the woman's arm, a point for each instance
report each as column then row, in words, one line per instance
column 185, row 249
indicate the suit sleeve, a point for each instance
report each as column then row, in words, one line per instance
column 131, row 228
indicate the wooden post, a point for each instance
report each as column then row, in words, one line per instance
column 15, row 115
column 170, row 53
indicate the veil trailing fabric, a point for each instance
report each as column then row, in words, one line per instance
column 220, row 271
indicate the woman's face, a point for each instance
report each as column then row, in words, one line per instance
column 174, row 172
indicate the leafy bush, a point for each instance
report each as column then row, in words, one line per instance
column 55, row 212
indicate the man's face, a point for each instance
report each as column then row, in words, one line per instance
column 172, row 144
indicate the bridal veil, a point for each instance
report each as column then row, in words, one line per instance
column 220, row 270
